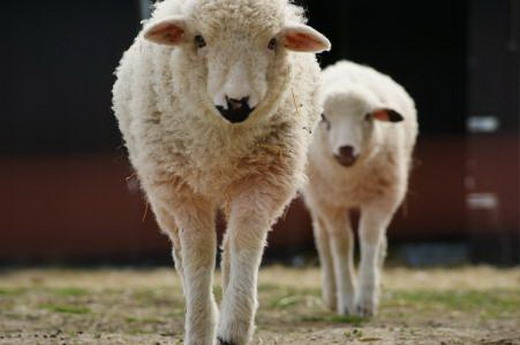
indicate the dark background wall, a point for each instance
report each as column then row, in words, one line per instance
column 64, row 191
column 57, row 61
column 421, row 45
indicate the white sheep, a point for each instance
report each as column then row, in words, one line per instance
column 216, row 110
column 359, row 159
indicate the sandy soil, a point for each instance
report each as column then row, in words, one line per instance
column 471, row 305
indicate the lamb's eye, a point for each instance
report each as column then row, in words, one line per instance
column 199, row 41
column 368, row 117
column 325, row 121
column 272, row 44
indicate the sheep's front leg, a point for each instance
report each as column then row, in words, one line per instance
column 372, row 234
column 166, row 223
column 252, row 213
column 198, row 248
column 224, row 262
column 341, row 242
column 328, row 281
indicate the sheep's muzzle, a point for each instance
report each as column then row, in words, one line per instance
column 237, row 110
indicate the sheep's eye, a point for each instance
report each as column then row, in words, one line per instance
column 325, row 121
column 368, row 117
column 272, row 44
column 199, row 41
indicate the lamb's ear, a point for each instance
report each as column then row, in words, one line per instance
column 303, row 38
column 168, row 31
column 387, row 115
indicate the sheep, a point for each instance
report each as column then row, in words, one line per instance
column 360, row 158
column 216, row 100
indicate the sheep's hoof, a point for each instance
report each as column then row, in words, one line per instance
column 223, row 342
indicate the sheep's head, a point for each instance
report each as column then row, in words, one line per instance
column 237, row 52
column 351, row 125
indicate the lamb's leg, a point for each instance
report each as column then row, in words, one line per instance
column 251, row 216
column 341, row 241
column 372, row 234
column 328, row 282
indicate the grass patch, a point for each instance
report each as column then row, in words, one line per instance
column 71, row 291
column 288, row 297
column 492, row 302
column 465, row 300
column 287, row 301
column 149, row 320
column 12, row 291
column 65, row 308
column 345, row 319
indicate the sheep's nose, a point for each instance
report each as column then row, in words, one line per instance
column 346, row 156
column 237, row 110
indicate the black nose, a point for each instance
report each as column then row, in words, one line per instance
column 346, row 156
column 238, row 110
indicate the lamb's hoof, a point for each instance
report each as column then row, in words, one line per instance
column 224, row 342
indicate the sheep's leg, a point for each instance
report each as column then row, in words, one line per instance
column 247, row 235
column 190, row 221
column 328, row 281
column 341, row 242
column 198, row 248
column 373, row 223
column 252, row 213
column 224, row 264
column 167, row 224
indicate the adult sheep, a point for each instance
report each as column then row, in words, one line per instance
column 360, row 158
column 216, row 110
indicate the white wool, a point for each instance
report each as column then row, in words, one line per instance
column 376, row 183
column 191, row 161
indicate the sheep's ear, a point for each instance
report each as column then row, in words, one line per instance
column 387, row 115
column 168, row 31
column 303, row 38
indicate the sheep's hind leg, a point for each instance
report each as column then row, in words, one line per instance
column 372, row 233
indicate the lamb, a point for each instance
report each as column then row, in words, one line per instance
column 216, row 100
column 360, row 158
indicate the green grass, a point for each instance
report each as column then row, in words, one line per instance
column 12, row 291
column 332, row 318
column 287, row 301
column 65, row 308
column 466, row 300
column 70, row 291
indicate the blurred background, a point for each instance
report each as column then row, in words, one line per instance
column 67, row 193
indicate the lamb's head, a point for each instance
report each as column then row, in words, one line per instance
column 236, row 52
column 352, row 125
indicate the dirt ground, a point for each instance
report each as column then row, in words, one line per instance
column 471, row 305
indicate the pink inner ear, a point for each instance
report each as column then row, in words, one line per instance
column 381, row 115
column 300, row 41
column 166, row 33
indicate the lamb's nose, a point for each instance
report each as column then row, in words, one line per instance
column 346, row 156
column 237, row 110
